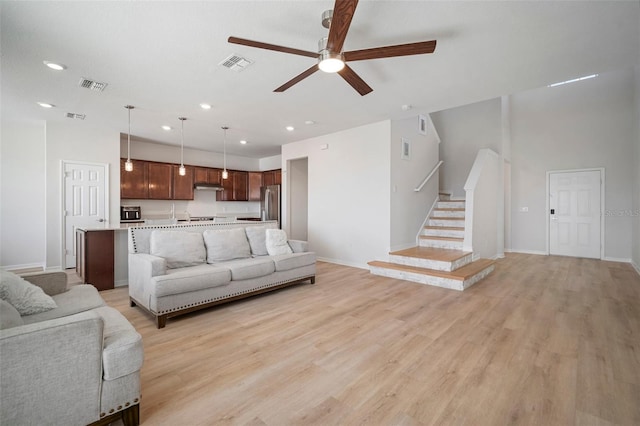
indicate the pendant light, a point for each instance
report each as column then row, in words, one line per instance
column 182, row 171
column 225, row 173
column 128, row 165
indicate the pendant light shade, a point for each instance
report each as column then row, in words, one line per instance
column 225, row 173
column 182, row 171
column 128, row 165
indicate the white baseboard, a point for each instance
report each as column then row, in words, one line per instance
column 343, row 263
column 402, row 247
column 54, row 269
column 538, row 252
column 121, row 283
column 635, row 266
column 23, row 266
column 616, row 259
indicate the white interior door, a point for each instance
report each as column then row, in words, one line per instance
column 575, row 213
column 85, row 202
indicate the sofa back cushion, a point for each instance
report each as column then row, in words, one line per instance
column 179, row 248
column 257, row 236
column 277, row 242
column 226, row 244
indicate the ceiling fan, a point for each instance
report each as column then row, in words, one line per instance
column 331, row 58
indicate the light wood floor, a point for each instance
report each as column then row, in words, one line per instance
column 543, row 340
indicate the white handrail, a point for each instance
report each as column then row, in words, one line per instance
column 435, row 169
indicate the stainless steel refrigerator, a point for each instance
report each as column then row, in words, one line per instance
column 270, row 203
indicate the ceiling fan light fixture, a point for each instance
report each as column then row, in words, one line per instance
column 330, row 62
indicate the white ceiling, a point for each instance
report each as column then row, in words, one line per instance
column 162, row 57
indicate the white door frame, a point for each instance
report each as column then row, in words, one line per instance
column 602, row 203
column 63, row 190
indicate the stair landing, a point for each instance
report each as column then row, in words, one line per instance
column 431, row 258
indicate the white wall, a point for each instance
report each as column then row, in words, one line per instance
column 409, row 208
column 298, row 184
column 464, row 131
column 84, row 142
column 270, row 163
column 349, row 186
column 22, row 195
column 581, row 125
column 636, row 201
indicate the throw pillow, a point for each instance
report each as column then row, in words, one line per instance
column 226, row 244
column 179, row 248
column 257, row 236
column 277, row 242
column 9, row 316
column 28, row 299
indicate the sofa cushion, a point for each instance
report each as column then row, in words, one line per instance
column 182, row 280
column 9, row 316
column 286, row 262
column 277, row 242
column 257, row 236
column 180, row 248
column 226, row 244
column 79, row 298
column 27, row 298
column 122, row 351
column 244, row 269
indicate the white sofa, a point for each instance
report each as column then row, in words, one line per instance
column 76, row 363
column 178, row 269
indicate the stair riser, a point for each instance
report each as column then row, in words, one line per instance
column 450, row 205
column 432, row 280
column 443, row 233
column 458, row 223
column 431, row 264
column 454, row 245
column 447, row 213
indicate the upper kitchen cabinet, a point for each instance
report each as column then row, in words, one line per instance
column 227, row 192
column 206, row 175
column 160, row 182
column 255, row 182
column 272, row 177
column 182, row 185
column 134, row 184
column 240, row 186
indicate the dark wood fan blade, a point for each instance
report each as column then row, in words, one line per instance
column 297, row 79
column 343, row 12
column 260, row 45
column 418, row 48
column 354, row 80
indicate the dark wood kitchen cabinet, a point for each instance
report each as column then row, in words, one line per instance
column 206, row 175
column 95, row 257
column 182, row 185
column 272, row 177
column 255, row 182
column 240, row 186
column 160, row 182
column 134, row 184
column 227, row 184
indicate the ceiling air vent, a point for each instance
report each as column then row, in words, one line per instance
column 76, row 116
column 236, row 63
column 91, row 84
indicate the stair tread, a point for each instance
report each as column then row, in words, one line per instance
column 459, row 274
column 432, row 237
column 432, row 253
column 445, row 228
column 453, row 201
column 446, row 218
column 449, row 209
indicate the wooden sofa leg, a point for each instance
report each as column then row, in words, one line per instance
column 161, row 321
column 131, row 415
column 313, row 279
column 132, row 303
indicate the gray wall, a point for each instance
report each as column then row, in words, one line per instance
column 636, row 201
column 298, row 180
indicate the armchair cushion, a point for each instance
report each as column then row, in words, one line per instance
column 179, row 248
column 277, row 242
column 27, row 298
column 79, row 298
column 9, row 316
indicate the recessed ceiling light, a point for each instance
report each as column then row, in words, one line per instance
column 290, row 128
column 45, row 105
column 167, row 128
column 54, row 66
column 243, row 142
column 309, row 122
column 205, row 106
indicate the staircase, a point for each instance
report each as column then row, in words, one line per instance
column 439, row 259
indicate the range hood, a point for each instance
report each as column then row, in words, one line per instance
column 208, row 186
